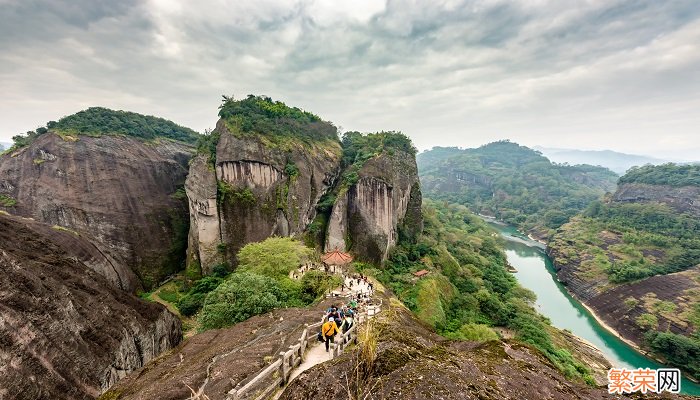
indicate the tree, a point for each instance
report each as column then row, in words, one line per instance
column 240, row 297
column 275, row 257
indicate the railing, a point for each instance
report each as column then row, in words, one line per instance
column 282, row 368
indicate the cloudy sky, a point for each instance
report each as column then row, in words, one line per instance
column 623, row 75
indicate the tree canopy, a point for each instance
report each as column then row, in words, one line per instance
column 666, row 174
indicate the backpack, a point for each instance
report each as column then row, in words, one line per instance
column 320, row 336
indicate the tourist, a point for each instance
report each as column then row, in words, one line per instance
column 329, row 330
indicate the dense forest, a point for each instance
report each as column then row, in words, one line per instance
column 280, row 125
column 468, row 294
column 97, row 121
column 667, row 174
column 512, row 183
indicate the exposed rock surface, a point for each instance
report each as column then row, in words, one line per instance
column 230, row 355
column 264, row 190
column 414, row 363
column 65, row 332
column 116, row 190
column 368, row 217
column 685, row 199
column 205, row 229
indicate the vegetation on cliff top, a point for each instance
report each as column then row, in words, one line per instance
column 274, row 121
column 667, row 174
column 97, row 121
column 468, row 291
column 513, row 183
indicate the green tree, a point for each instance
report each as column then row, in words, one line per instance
column 275, row 257
column 240, row 297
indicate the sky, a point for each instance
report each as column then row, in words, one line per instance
column 586, row 74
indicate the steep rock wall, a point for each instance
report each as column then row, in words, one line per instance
column 385, row 202
column 267, row 190
column 682, row 199
column 66, row 332
column 116, row 190
column 205, row 230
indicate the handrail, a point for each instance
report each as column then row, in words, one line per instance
column 293, row 357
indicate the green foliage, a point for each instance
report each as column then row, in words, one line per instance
column 679, row 351
column 647, row 321
column 234, row 195
column 207, row 145
column 473, row 333
column 358, row 148
column 279, row 123
column 315, row 283
column 191, row 302
column 240, row 297
column 514, row 183
column 291, row 170
column 274, row 257
column 7, row 201
column 103, row 121
column 667, row 174
column 97, row 121
column 469, row 289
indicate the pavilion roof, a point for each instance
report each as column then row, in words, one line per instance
column 336, row 257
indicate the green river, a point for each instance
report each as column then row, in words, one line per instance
column 535, row 272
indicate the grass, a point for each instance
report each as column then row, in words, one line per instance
column 7, row 201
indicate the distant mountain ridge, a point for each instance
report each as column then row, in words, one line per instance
column 613, row 160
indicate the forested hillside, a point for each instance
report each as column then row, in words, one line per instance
column 639, row 247
column 97, row 121
column 469, row 293
column 512, row 183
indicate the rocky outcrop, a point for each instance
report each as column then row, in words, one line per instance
column 205, row 230
column 263, row 190
column 118, row 191
column 217, row 360
column 415, row 363
column 66, row 332
column 685, row 199
column 369, row 216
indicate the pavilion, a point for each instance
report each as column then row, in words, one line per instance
column 335, row 259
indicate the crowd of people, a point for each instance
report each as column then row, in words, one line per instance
column 341, row 318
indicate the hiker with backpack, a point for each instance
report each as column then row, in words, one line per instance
column 329, row 330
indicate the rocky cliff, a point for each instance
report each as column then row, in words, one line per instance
column 118, row 191
column 67, row 333
column 414, row 363
column 684, row 199
column 267, row 171
column 369, row 215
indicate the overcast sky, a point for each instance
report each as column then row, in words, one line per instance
column 622, row 75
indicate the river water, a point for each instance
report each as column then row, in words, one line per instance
column 536, row 272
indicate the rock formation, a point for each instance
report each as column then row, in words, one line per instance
column 118, row 191
column 368, row 216
column 66, row 332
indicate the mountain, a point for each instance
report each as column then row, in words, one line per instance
column 512, row 183
column 634, row 259
column 5, row 145
column 269, row 169
column 615, row 161
column 67, row 332
column 114, row 176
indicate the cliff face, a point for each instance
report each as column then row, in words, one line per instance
column 368, row 217
column 684, row 199
column 263, row 190
column 67, row 333
column 118, row 191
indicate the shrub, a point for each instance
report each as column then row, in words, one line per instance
column 274, row 257
column 240, row 297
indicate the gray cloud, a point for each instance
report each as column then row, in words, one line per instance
column 590, row 74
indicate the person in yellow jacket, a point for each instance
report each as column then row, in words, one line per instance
column 329, row 329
